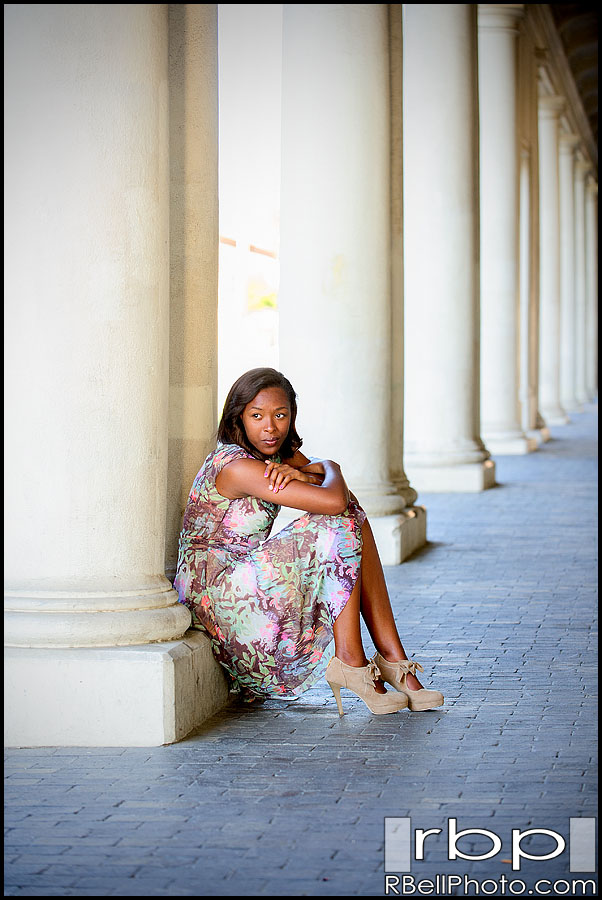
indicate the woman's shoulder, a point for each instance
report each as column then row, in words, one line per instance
column 203, row 487
column 226, row 453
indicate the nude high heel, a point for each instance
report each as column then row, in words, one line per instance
column 396, row 673
column 360, row 680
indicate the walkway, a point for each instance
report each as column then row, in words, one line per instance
column 289, row 799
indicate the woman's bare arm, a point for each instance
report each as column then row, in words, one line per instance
column 311, row 467
column 247, row 478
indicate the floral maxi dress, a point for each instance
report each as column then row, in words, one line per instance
column 268, row 604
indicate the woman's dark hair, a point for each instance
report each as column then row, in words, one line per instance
column 231, row 429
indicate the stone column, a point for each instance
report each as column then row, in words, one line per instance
column 92, row 623
column 582, row 167
column 568, row 349
column 591, row 288
column 499, row 228
column 528, row 319
column 335, row 288
column 549, row 261
column 193, row 254
column 443, row 449
column 527, row 87
column 398, row 475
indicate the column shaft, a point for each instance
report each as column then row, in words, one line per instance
column 582, row 167
column 193, row 256
column 443, row 449
column 88, row 293
column 531, row 421
column 568, row 348
column 591, row 288
column 398, row 475
column 334, row 300
column 499, row 228
column 528, row 326
column 549, row 259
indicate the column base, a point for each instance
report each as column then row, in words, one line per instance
column 397, row 537
column 137, row 696
column 539, row 435
column 93, row 613
column 555, row 417
column 516, row 446
column 572, row 405
column 462, row 478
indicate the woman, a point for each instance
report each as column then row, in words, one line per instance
column 273, row 605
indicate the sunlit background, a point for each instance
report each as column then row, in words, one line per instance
column 250, row 57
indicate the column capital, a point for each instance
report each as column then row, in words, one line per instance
column 568, row 141
column 500, row 16
column 582, row 165
column 592, row 186
column 550, row 106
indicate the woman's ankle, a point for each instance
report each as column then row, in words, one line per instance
column 356, row 660
column 392, row 655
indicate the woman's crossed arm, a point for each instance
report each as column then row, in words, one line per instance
column 294, row 483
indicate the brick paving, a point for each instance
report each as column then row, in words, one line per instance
column 287, row 798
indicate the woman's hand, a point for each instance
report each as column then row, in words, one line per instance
column 315, row 471
column 314, row 467
column 280, row 474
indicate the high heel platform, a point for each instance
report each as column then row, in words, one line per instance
column 360, row 680
column 396, row 673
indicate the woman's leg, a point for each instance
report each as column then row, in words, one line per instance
column 375, row 605
column 347, row 635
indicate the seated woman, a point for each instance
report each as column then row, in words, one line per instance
column 272, row 606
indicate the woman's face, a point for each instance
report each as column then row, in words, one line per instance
column 266, row 420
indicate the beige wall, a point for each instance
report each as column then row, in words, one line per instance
column 193, row 254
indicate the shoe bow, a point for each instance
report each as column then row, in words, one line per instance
column 372, row 672
column 409, row 666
